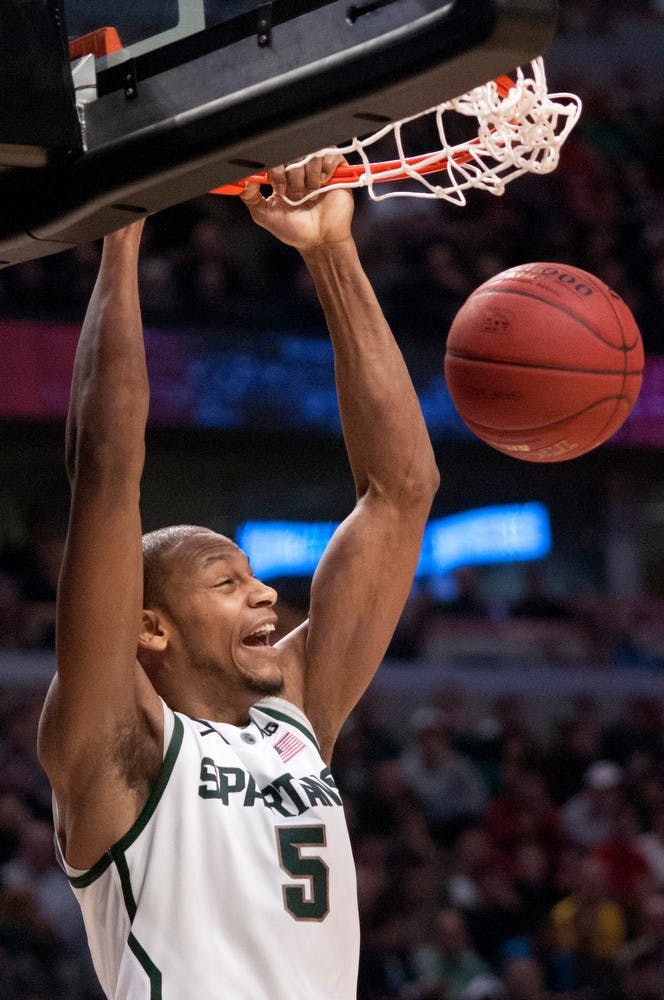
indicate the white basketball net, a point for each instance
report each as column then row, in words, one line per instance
column 520, row 130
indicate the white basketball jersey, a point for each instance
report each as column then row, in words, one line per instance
column 237, row 881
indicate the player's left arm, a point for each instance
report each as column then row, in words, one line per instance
column 362, row 582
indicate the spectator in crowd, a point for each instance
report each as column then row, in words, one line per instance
column 647, row 789
column 651, row 845
column 533, row 873
column 628, row 872
column 588, row 930
column 34, row 565
column 524, row 812
column 448, row 963
column 363, row 744
column 393, row 926
column 498, row 921
column 392, row 809
column 588, row 816
column 33, row 870
column 523, row 977
column 641, row 961
column 20, row 771
column 518, row 757
column 508, row 712
column 484, row 988
column 575, row 746
column 447, row 783
column 27, row 944
column 637, row 732
column 12, row 612
column 14, row 814
column 472, row 855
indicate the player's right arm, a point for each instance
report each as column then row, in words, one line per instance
column 100, row 711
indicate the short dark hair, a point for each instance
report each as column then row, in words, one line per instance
column 156, row 547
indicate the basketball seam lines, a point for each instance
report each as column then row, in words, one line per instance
column 543, row 367
column 624, row 348
column 561, row 421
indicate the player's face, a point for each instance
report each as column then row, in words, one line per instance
column 224, row 615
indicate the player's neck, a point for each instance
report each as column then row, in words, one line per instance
column 212, row 702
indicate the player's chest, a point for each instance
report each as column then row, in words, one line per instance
column 278, row 772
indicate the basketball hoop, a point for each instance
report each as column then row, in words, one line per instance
column 520, row 129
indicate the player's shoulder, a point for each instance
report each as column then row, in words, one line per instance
column 285, row 712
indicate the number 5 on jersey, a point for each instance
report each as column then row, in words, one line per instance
column 312, row 900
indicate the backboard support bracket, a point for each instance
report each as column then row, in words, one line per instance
column 264, row 27
column 130, row 80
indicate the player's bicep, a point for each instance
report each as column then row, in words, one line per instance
column 357, row 596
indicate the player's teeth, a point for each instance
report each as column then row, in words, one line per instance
column 260, row 632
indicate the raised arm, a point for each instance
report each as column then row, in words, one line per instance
column 363, row 580
column 100, row 700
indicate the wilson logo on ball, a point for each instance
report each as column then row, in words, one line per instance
column 497, row 322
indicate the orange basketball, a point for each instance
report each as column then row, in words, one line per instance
column 544, row 362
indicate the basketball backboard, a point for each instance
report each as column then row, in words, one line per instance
column 185, row 95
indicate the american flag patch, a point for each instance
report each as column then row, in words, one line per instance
column 288, row 746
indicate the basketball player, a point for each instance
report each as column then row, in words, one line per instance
column 197, row 817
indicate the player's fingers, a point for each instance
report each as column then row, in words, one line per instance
column 319, row 169
column 277, row 177
column 251, row 195
column 296, row 184
column 330, row 163
column 296, row 179
column 313, row 173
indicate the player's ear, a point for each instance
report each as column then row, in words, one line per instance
column 153, row 636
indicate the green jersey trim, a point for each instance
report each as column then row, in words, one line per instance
column 125, row 882
column 282, row 717
column 148, row 966
column 92, row 874
column 118, row 849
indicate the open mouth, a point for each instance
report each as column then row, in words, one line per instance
column 261, row 637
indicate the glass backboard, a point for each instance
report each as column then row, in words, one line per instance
column 197, row 93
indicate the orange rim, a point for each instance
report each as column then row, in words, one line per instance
column 353, row 172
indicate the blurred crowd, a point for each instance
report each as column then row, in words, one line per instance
column 496, row 859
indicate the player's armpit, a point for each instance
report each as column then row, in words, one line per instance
column 101, row 790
